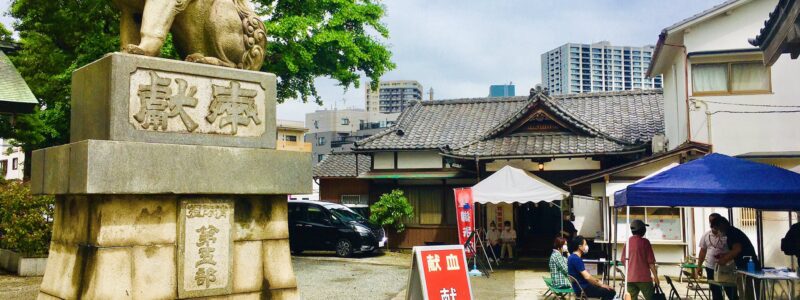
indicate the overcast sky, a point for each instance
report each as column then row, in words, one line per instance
column 460, row 47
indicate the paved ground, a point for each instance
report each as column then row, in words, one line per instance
column 384, row 276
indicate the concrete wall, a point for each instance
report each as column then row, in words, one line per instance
column 20, row 265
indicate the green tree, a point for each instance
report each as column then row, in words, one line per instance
column 307, row 39
column 392, row 209
column 25, row 220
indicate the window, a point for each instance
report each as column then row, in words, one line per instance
column 665, row 223
column 353, row 200
column 3, row 167
column 320, row 157
column 316, row 124
column 321, row 141
column 433, row 205
column 15, row 163
column 345, row 121
column 290, row 138
column 750, row 77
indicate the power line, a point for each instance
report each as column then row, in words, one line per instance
column 756, row 112
column 752, row 105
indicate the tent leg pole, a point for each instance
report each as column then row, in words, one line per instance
column 760, row 235
column 614, row 245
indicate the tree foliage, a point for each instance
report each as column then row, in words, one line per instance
column 25, row 220
column 306, row 39
column 392, row 209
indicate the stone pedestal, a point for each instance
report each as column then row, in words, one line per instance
column 171, row 187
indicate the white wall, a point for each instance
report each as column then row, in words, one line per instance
column 419, row 160
column 383, row 160
column 7, row 155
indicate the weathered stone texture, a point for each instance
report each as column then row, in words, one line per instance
column 278, row 272
column 71, row 220
column 105, row 98
column 111, row 167
column 123, row 221
column 62, row 276
column 154, row 273
column 248, row 271
column 108, row 274
column 261, row 218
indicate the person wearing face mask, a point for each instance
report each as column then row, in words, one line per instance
column 508, row 236
column 640, row 262
column 592, row 287
column 741, row 251
column 494, row 238
column 712, row 244
column 558, row 263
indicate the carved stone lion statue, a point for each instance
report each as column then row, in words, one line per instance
column 217, row 32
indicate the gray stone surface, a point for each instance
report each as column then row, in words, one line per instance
column 105, row 99
column 205, row 247
column 112, row 167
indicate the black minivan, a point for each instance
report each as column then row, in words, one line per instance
column 316, row 225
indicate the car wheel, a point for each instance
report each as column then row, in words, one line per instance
column 344, row 248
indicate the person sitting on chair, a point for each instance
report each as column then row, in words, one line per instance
column 494, row 239
column 508, row 236
column 558, row 264
column 592, row 287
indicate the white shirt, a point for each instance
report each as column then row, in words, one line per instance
column 494, row 236
column 714, row 245
column 508, row 235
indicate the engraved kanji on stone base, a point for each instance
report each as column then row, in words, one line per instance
column 158, row 104
column 205, row 247
column 236, row 104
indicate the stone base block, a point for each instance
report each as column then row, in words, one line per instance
column 132, row 247
column 133, row 168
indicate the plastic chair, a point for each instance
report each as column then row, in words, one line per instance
column 673, row 294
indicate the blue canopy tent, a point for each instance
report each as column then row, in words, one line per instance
column 717, row 180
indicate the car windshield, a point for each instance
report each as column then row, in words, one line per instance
column 345, row 214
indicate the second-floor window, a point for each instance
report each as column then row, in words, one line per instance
column 345, row 121
column 290, row 138
column 321, row 141
column 731, row 78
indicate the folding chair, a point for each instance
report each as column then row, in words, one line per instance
column 582, row 294
column 673, row 294
column 552, row 291
column 622, row 287
column 692, row 285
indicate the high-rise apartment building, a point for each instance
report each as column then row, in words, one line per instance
column 393, row 96
column 581, row 68
column 502, row 90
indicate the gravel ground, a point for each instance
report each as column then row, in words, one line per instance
column 18, row 288
column 378, row 277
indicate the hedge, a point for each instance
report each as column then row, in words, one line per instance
column 26, row 221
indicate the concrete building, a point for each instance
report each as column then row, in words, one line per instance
column 337, row 130
column 580, row 68
column 393, row 96
column 291, row 136
column 502, row 90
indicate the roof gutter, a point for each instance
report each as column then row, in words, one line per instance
column 543, row 155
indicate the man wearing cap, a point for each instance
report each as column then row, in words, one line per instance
column 640, row 263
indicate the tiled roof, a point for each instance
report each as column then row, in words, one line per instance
column 776, row 17
column 716, row 8
column 342, row 165
column 14, row 92
column 545, row 144
column 629, row 117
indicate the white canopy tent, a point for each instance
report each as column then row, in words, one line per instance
column 509, row 185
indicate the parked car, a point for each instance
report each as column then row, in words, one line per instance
column 316, row 225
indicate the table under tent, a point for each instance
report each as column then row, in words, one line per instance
column 717, row 181
column 530, row 203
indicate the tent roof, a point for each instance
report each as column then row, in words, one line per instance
column 509, row 185
column 717, row 180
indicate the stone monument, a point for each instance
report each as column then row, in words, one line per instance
column 171, row 187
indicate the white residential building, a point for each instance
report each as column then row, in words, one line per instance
column 582, row 68
column 393, row 96
column 718, row 91
column 12, row 160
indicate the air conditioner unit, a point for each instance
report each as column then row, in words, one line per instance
column 659, row 143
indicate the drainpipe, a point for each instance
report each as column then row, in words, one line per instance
column 697, row 102
column 686, row 88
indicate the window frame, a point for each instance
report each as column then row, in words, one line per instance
column 729, row 80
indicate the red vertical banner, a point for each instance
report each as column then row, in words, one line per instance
column 465, row 214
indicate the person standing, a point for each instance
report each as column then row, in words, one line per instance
column 592, row 287
column 740, row 251
column 494, row 239
column 640, row 262
column 568, row 230
column 558, row 263
column 712, row 244
column 508, row 237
